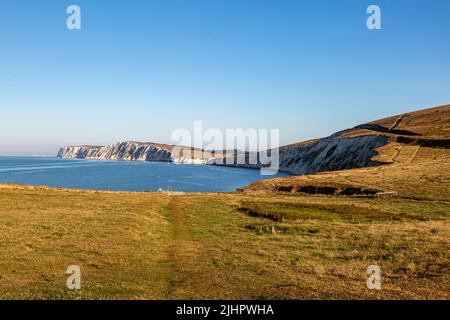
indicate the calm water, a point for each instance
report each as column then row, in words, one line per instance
column 122, row 175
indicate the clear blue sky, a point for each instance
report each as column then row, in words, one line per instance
column 139, row 69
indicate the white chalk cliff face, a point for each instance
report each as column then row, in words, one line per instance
column 331, row 154
column 327, row 154
column 117, row 151
column 129, row 151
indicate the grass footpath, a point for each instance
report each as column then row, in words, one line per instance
column 220, row 246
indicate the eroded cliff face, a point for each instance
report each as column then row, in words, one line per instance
column 347, row 149
column 129, row 151
column 327, row 154
column 118, row 151
column 331, row 154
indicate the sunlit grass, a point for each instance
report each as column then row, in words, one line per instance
column 233, row 246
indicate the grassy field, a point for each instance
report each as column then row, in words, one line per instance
column 232, row 245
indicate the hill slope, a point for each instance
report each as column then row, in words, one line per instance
column 137, row 151
column 405, row 153
column 413, row 161
column 358, row 147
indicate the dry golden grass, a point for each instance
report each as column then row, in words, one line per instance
column 196, row 246
column 43, row 231
column 415, row 171
column 430, row 123
column 416, row 160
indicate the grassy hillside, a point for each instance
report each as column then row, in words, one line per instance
column 255, row 246
column 416, row 160
column 430, row 123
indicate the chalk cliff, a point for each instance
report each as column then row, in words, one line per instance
column 327, row 154
column 136, row 151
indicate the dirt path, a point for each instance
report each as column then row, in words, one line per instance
column 414, row 155
column 398, row 151
column 181, row 251
column 397, row 122
column 397, row 154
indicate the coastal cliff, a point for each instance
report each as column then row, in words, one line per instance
column 327, row 154
column 136, row 151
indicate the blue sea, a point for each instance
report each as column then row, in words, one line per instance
column 124, row 175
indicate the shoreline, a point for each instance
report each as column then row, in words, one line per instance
column 13, row 186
